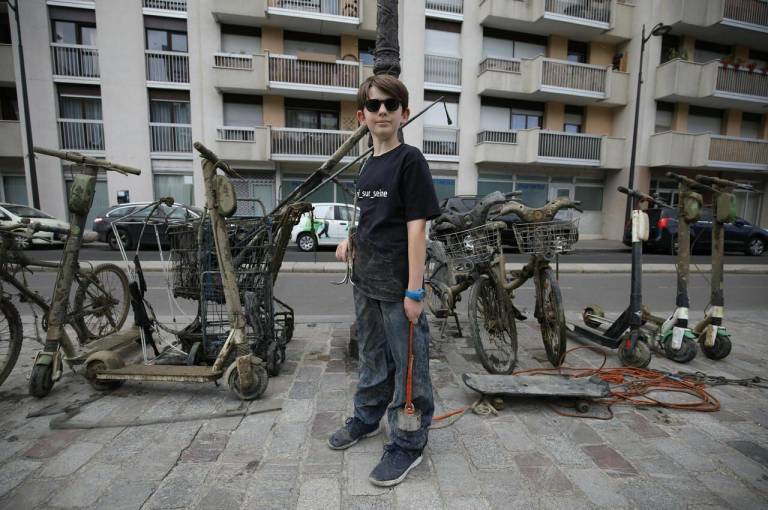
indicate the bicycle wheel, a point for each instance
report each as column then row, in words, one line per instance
column 551, row 317
column 102, row 301
column 10, row 337
column 495, row 339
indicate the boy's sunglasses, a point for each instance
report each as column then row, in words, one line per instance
column 373, row 105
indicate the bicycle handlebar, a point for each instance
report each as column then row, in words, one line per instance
column 76, row 157
column 539, row 214
column 717, row 181
column 684, row 180
column 37, row 227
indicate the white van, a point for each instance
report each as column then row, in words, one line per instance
column 331, row 225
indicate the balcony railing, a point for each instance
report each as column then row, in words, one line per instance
column 75, row 60
column 167, row 66
column 308, row 142
column 570, row 75
column 167, row 5
column 236, row 134
column 499, row 64
column 81, row 134
column 497, row 137
column 442, row 70
column 597, row 11
column 556, row 145
column 233, row 61
column 738, row 150
column 441, row 141
column 448, row 6
column 166, row 137
column 754, row 12
column 742, row 81
column 290, row 69
column 348, row 8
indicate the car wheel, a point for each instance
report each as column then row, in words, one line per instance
column 124, row 237
column 23, row 242
column 755, row 246
column 306, row 242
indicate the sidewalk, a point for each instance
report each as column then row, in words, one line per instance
column 526, row 457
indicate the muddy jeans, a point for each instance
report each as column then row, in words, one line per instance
column 382, row 336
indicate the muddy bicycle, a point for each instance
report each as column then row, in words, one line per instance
column 475, row 253
column 100, row 304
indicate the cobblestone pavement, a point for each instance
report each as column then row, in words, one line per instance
column 526, row 457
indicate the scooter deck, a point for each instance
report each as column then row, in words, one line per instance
column 581, row 334
column 108, row 343
column 540, row 386
column 168, row 373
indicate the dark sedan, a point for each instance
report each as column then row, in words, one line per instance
column 129, row 219
column 740, row 236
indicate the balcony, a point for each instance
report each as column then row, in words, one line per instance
column 595, row 20
column 81, row 135
column 240, row 73
column 167, row 8
column 315, row 16
column 725, row 21
column 298, row 77
column 7, row 73
column 528, row 146
column 10, row 139
column 713, row 85
column 243, row 143
column 77, row 4
column 705, row 150
column 170, row 139
column 167, row 69
column 75, row 63
column 441, row 143
column 452, row 10
column 545, row 79
column 442, row 73
column 295, row 144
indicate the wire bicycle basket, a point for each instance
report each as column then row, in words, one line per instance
column 548, row 237
column 470, row 247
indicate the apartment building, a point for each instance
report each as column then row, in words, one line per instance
column 541, row 94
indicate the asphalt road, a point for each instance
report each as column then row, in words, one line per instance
column 101, row 252
column 316, row 299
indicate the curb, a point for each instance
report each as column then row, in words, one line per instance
column 568, row 268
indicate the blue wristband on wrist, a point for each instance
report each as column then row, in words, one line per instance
column 416, row 295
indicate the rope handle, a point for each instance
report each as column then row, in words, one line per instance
column 409, row 408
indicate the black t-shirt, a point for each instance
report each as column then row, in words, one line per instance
column 394, row 188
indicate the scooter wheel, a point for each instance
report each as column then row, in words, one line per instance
column 93, row 368
column 592, row 310
column 260, row 383
column 720, row 350
column 684, row 354
column 274, row 360
column 195, row 355
column 638, row 357
column 41, row 380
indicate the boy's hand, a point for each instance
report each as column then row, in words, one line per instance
column 342, row 250
column 412, row 309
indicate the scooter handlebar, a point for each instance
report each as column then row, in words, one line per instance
column 684, row 180
column 82, row 159
column 642, row 197
column 717, row 181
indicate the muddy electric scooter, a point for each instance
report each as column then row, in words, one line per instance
column 714, row 339
column 672, row 335
column 625, row 332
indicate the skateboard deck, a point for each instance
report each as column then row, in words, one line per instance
column 536, row 385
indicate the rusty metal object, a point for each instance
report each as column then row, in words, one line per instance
column 387, row 53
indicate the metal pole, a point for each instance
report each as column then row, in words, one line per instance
column 631, row 184
column 387, row 52
column 25, row 100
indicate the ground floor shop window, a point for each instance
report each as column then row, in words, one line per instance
column 330, row 192
column 14, row 190
column 591, row 197
column 251, row 191
column 100, row 201
column 180, row 187
column 444, row 188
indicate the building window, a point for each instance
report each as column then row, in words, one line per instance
column 9, row 105
column 243, row 110
column 180, row 187
column 239, row 39
column 169, row 112
column 591, row 197
column 574, row 119
column 296, row 43
column 305, row 114
column 166, row 40
column 664, row 114
column 366, row 48
column 14, row 189
column 704, row 120
column 5, row 26
column 444, row 188
column 577, row 52
column 750, row 125
column 502, row 44
column 707, row 51
column 73, row 32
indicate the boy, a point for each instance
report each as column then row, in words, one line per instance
column 396, row 198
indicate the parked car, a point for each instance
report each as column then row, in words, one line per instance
column 14, row 213
column 740, row 236
column 331, row 224
column 130, row 228
column 465, row 203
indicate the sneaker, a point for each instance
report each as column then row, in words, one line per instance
column 353, row 430
column 394, row 466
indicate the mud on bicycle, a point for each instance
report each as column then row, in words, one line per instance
column 460, row 258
